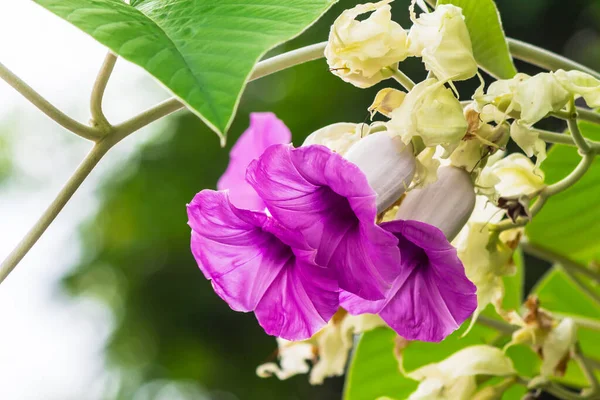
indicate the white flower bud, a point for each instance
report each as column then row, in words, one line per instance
column 338, row 137
column 540, row 95
column 431, row 112
column 359, row 51
column 441, row 38
column 388, row 164
column 445, row 204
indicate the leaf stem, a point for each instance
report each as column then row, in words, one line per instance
column 498, row 325
column 544, row 58
column 402, row 79
column 86, row 132
column 550, row 256
column 560, row 138
column 84, row 169
column 584, row 288
column 287, row 60
column 587, row 369
column 98, row 117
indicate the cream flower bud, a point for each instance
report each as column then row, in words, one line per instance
column 431, row 112
column 446, row 204
column 359, row 52
column 388, row 164
column 441, row 38
column 338, row 137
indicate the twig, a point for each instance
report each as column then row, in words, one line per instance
column 90, row 161
column 98, row 117
column 544, row 58
column 86, row 132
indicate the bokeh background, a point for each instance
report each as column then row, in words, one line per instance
column 110, row 304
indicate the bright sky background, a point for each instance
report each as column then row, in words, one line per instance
column 51, row 345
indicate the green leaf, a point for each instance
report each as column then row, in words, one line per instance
column 559, row 294
column 203, row 51
column 374, row 371
column 489, row 43
column 568, row 223
column 514, row 284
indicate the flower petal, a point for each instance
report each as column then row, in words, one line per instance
column 265, row 129
column 431, row 295
column 256, row 265
column 327, row 198
column 299, row 302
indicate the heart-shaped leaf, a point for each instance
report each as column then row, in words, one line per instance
column 203, row 51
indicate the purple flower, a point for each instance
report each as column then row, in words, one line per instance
column 316, row 192
column 431, row 296
column 265, row 129
column 255, row 264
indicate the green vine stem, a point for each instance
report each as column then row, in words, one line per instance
column 560, row 138
column 84, row 169
column 86, row 132
column 111, row 135
column 544, row 58
column 98, row 118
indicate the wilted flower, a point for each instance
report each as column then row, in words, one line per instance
column 455, row 377
column 431, row 295
column 256, row 265
column 431, row 112
column 327, row 350
column 386, row 101
column 550, row 339
column 360, row 52
column 265, row 129
column 441, row 38
column 338, row 137
column 481, row 141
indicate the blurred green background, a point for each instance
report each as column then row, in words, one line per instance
column 172, row 331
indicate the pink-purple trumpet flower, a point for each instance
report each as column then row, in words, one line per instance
column 318, row 243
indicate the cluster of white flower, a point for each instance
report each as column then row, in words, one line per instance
column 463, row 182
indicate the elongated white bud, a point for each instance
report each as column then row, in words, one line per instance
column 388, row 164
column 445, row 204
